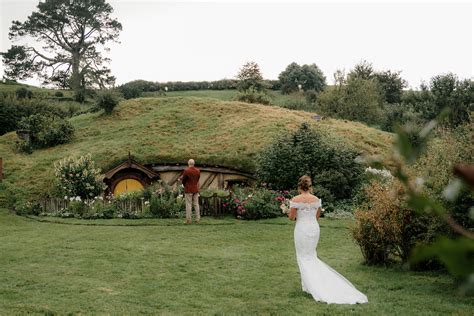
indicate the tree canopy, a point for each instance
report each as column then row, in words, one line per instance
column 306, row 77
column 250, row 77
column 64, row 44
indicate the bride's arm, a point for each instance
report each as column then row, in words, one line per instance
column 318, row 213
column 292, row 214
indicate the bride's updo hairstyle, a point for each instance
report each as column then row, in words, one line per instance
column 304, row 183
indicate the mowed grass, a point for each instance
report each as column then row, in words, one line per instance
column 219, row 267
column 171, row 130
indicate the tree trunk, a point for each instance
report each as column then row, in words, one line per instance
column 76, row 80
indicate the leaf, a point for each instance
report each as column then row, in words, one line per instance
column 422, row 203
column 404, row 146
column 456, row 254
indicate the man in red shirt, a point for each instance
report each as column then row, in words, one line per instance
column 190, row 180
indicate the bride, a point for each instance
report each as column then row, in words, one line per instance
column 317, row 278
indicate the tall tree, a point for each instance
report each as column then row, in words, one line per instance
column 250, row 77
column 64, row 42
column 392, row 85
column 363, row 70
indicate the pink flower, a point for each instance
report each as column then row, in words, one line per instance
column 237, row 201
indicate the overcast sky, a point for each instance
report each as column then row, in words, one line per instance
column 171, row 41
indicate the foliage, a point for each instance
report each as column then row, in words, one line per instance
column 72, row 36
column 78, row 177
column 306, row 78
column 457, row 95
column 384, row 227
column 13, row 110
column 252, row 95
column 334, row 171
column 443, row 91
column 167, row 202
column 450, row 249
column 59, row 94
column 358, row 100
column 392, row 85
column 252, row 203
column 363, row 70
column 107, row 101
column 47, row 130
column 399, row 114
column 250, row 78
column 23, row 93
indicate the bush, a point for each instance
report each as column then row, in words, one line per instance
column 255, row 203
column 47, row 130
column 24, row 146
column 399, row 114
column 59, row 94
column 167, row 203
column 358, row 100
column 78, row 177
column 335, row 173
column 253, row 96
column 447, row 149
column 384, row 227
column 107, row 101
column 298, row 105
column 23, row 93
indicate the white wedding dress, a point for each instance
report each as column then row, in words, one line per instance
column 317, row 278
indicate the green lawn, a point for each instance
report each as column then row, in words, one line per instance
column 221, row 266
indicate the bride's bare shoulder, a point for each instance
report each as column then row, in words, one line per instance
column 305, row 198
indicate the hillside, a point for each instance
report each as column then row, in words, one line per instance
column 171, row 130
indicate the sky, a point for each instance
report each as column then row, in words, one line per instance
column 195, row 40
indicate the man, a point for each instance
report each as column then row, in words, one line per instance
column 190, row 180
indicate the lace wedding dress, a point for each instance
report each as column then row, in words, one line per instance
column 317, row 278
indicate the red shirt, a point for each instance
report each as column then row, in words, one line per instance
column 190, row 180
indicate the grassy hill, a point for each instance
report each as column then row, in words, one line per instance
column 172, row 130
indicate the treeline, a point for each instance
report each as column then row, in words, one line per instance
column 133, row 89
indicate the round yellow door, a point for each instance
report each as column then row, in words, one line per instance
column 127, row 185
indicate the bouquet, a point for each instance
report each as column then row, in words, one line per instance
column 285, row 206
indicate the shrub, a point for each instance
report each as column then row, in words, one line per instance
column 255, row 203
column 399, row 114
column 253, row 96
column 167, row 203
column 59, row 94
column 358, row 100
column 24, row 146
column 78, row 177
column 107, row 101
column 447, row 149
column 298, row 105
column 23, row 93
column 335, row 173
column 47, row 130
column 384, row 227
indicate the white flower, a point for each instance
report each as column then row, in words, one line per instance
column 379, row 172
column 65, row 197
